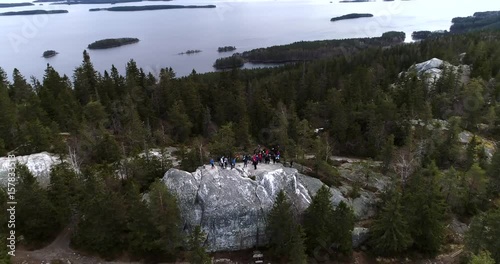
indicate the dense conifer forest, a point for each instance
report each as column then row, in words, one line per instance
column 363, row 102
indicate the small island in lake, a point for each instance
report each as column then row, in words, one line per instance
column 5, row 5
column 226, row 49
column 112, row 43
column 190, row 52
column 350, row 16
column 149, row 7
column 49, row 53
column 34, row 12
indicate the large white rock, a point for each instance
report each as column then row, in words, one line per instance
column 231, row 207
column 39, row 165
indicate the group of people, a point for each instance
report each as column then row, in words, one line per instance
column 260, row 155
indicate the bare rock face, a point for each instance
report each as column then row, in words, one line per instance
column 39, row 165
column 231, row 207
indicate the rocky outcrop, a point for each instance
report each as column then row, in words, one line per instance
column 231, row 207
column 359, row 236
column 433, row 69
column 39, row 164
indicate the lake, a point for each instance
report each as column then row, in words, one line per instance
column 245, row 24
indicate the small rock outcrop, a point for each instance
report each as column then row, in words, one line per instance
column 433, row 69
column 39, row 165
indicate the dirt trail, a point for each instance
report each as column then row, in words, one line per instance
column 58, row 250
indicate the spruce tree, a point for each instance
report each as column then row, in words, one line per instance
column 390, row 233
column 425, row 210
column 343, row 217
column 319, row 222
column 493, row 173
column 198, row 253
column 36, row 216
column 483, row 234
column 282, row 230
column 166, row 217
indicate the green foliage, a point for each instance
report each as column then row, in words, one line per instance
column 493, row 173
column 425, row 210
column 234, row 61
column 36, row 217
column 483, row 234
column 319, row 220
column 223, row 142
column 107, row 150
column 64, row 191
column 387, row 154
column 102, row 218
column 285, row 234
column 484, row 257
column 166, row 217
column 343, row 217
column 198, row 254
column 390, row 232
column 144, row 170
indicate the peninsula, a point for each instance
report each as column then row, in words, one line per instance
column 34, row 12
column 350, row 16
column 150, row 7
column 112, row 43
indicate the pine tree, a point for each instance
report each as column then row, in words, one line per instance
column 343, row 217
column 319, row 220
column 166, row 217
column 64, row 191
column 297, row 253
column 181, row 124
column 475, row 196
column 425, row 210
column 198, row 254
column 142, row 231
column 493, row 173
column 390, row 233
column 36, row 216
column 224, row 141
column 387, row 154
column 282, row 229
column 8, row 115
column 102, row 217
column 483, row 234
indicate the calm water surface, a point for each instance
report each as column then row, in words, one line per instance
column 245, row 24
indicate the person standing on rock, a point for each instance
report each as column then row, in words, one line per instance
column 245, row 161
column 225, row 162
column 233, row 163
column 255, row 162
column 212, row 162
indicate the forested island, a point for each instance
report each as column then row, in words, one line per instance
column 34, row 12
column 226, row 49
column 235, row 61
column 5, row 5
column 190, row 52
column 49, row 53
column 311, row 50
column 350, row 16
column 479, row 21
column 150, row 7
column 112, row 43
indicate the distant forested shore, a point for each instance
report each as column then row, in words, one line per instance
column 309, row 50
column 6, row 5
column 149, row 7
column 34, row 12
